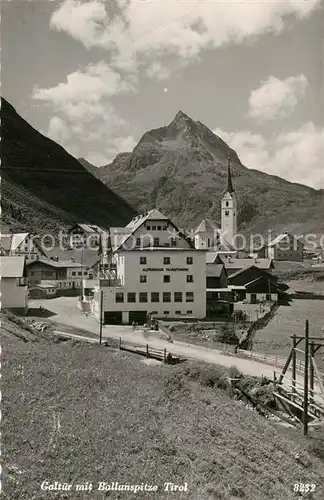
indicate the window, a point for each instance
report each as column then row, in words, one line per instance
column 268, row 296
column 165, row 228
column 138, row 242
column 177, row 312
column 189, row 260
column 153, row 228
column 189, row 278
column 189, row 296
column 155, row 297
column 32, row 273
column 173, row 242
column 131, row 297
column 148, row 227
column 166, row 260
column 143, row 278
column 226, row 212
column 166, row 278
column 156, row 242
column 73, row 273
column 119, row 297
column 208, row 242
column 189, row 312
column 80, row 273
column 166, row 296
column 227, row 204
column 154, row 312
column 166, row 313
column 142, row 260
column 177, row 296
column 159, row 228
column 143, row 297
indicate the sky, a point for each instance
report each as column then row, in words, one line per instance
column 95, row 75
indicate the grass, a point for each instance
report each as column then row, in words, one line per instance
column 76, row 413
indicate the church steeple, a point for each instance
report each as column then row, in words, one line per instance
column 230, row 188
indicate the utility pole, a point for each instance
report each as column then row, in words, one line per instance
column 305, row 414
column 101, row 319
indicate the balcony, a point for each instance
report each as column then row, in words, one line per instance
column 110, row 282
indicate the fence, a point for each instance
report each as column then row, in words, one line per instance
column 271, row 360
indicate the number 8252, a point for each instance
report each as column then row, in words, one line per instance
column 304, row 488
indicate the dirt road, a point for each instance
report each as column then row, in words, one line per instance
column 65, row 312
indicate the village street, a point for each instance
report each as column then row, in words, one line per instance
column 66, row 312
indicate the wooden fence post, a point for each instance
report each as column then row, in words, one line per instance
column 164, row 356
column 294, row 365
column 147, row 350
column 119, row 342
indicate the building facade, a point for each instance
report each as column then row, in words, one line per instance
column 59, row 273
column 14, row 293
column 287, row 247
column 159, row 273
column 85, row 235
column 22, row 245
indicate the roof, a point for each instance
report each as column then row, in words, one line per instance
column 245, row 263
column 117, row 236
column 230, row 188
column 12, row 267
column 275, row 285
column 214, row 270
column 56, row 264
column 206, row 226
column 281, row 237
column 90, row 228
column 241, row 271
column 44, row 284
column 17, row 239
column 138, row 221
column 87, row 256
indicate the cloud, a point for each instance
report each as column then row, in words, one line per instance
column 135, row 32
column 82, row 105
column 116, row 146
column 88, row 86
column 295, row 155
column 277, row 98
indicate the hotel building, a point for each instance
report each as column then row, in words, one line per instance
column 158, row 272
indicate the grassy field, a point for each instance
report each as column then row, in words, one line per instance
column 275, row 338
column 75, row 413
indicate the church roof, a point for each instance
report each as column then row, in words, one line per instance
column 206, row 226
column 230, row 188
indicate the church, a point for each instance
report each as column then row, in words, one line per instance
column 209, row 236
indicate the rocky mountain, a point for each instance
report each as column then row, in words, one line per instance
column 44, row 188
column 182, row 169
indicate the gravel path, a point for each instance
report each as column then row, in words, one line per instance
column 65, row 312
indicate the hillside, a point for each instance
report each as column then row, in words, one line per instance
column 79, row 413
column 44, row 188
column 182, row 169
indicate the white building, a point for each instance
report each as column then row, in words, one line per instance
column 229, row 210
column 14, row 293
column 159, row 272
column 22, row 244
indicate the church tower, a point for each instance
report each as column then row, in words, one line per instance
column 229, row 209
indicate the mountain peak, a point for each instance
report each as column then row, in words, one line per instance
column 181, row 118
